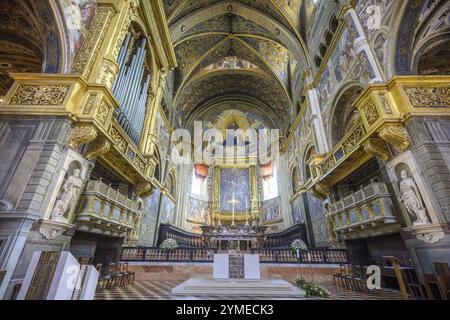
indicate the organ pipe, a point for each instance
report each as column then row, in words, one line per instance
column 131, row 87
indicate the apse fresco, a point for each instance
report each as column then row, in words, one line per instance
column 271, row 209
column 167, row 212
column 149, row 215
column 231, row 116
column 231, row 62
column 234, row 181
column 78, row 15
column 371, row 13
column 337, row 68
column 197, row 210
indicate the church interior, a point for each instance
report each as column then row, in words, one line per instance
column 132, row 136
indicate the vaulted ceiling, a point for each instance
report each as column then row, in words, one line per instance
column 262, row 32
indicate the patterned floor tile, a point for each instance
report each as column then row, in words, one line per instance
column 161, row 290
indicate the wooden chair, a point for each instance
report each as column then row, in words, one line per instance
column 433, row 287
column 115, row 278
column 103, row 278
column 339, row 276
column 125, row 276
column 442, row 268
column 131, row 274
column 348, row 277
column 416, row 290
column 444, row 283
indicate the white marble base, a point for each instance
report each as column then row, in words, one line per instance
column 87, row 283
column 221, row 266
column 259, row 288
column 251, row 267
column 63, row 281
column 65, row 278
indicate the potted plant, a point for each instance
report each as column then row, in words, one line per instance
column 169, row 245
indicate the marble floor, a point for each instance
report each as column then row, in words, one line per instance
column 161, row 290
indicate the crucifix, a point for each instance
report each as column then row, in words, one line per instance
column 233, row 201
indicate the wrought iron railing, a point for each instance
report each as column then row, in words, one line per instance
column 318, row 256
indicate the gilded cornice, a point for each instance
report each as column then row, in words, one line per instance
column 154, row 12
column 385, row 110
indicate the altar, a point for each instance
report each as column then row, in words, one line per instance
column 242, row 238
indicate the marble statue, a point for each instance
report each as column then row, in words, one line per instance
column 410, row 197
column 67, row 196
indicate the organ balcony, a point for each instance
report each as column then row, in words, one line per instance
column 367, row 212
column 106, row 211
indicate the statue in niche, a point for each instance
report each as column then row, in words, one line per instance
column 410, row 197
column 67, row 196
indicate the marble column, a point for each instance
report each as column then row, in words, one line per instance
column 321, row 142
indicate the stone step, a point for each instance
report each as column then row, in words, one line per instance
column 272, row 288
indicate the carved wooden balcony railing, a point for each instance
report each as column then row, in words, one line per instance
column 369, row 211
column 105, row 210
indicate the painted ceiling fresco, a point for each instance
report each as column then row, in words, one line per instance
column 208, row 33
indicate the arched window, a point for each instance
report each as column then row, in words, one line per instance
column 199, row 185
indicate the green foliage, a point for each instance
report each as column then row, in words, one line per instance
column 311, row 288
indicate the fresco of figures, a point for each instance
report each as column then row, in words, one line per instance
column 78, row 15
column 337, row 68
column 271, row 209
column 149, row 215
column 230, row 63
column 198, row 211
column 234, row 182
column 163, row 136
column 167, row 212
column 372, row 13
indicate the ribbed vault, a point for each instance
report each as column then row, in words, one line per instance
column 264, row 33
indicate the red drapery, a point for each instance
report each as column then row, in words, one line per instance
column 201, row 171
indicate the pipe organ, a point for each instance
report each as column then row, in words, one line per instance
column 131, row 86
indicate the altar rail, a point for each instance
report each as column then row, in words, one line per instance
column 318, row 256
column 143, row 254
